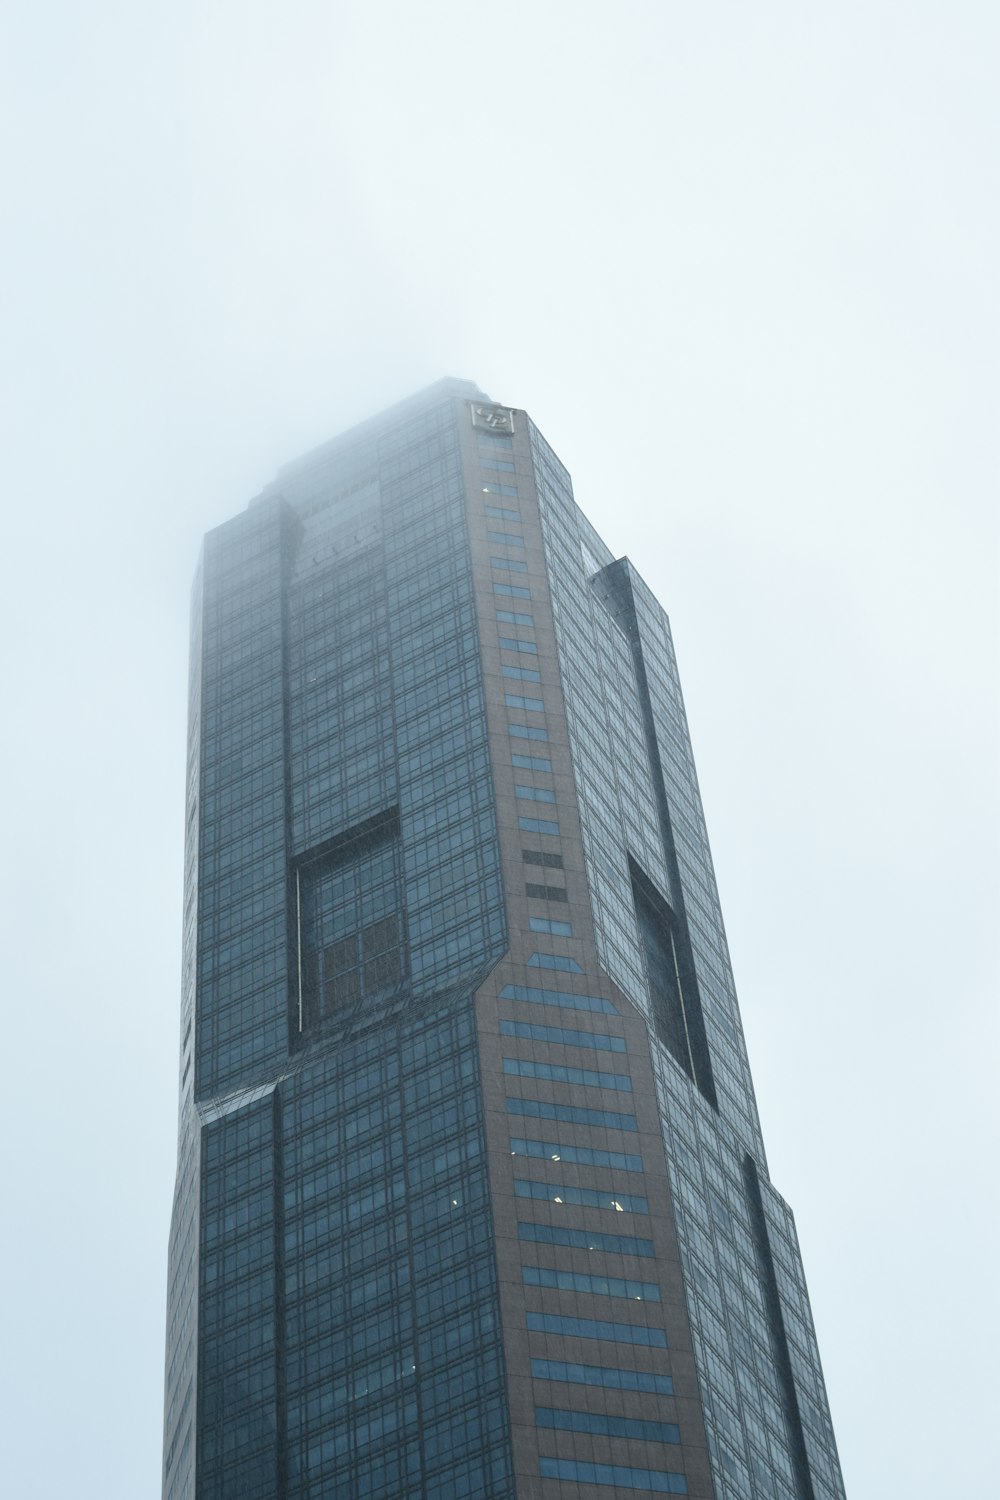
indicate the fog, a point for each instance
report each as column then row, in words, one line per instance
column 739, row 262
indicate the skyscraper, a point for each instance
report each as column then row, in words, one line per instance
column 471, row 1196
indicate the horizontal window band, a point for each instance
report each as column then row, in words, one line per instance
column 572, row 1114
column 538, row 825
column 597, row 1328
column 594, row 1286
column 652, row 1481
column 535, row 793
column 520, row 1067
column 586, row 1239
column 567, row 999
column 554, row 961
column 606, row 1425
column 563, row 1036
column 545, row 892
column 584, row 1156
column 551, row 926
column 547, row 1192
column 610, row 1377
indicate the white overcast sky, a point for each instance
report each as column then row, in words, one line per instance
column 740, row 262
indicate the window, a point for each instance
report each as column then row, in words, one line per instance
column 349, row 923
column 553, row 960
column 564, row 1036
column 548, row 924
column 526, row 732
column 538, row 856
column 655, row 1481
column 559, row 997
column 500, row 514
column 596, row 1286
column 545, row 892
column 585, row 1155
column 534, row 763
column 524, row 674
column 571, row 1114
column 506, row 538
column 511, row 590
column 531, row 705
column 607, row 1426
column 512, row 565
column 537, row 825
column 597, row 1328
column 535, row 793
column 547, row 1192
column 522, row 1068
column 613, row 1379
column 586, row 1239
column 527, row 648
column 511, row 617
column 673, row 989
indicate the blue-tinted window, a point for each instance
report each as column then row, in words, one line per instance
column 539, row 825
column 550, row 925
column 500, row 513
column 512, row 590
column 534, row 793
column 586, row 1239
column 597, row 1328
column 526, row 732
column 584, row 1155
column 532, row 705
column 508, row 643
column 511, row 617
column 552, row 960
column 572, row 1114
column 529, row 762
column 510, row 565
column 565, row 998
column 562, row 1035
column 607, row 1426
column 523, row 674
column 603, row 1375
column 596, row 1286
column 547, row 1192
column 518, row 1067
column 654, row 1481
column 506, row 538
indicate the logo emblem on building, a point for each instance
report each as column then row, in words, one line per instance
column 493, row 418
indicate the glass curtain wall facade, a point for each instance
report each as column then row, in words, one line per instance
column 471, row 1196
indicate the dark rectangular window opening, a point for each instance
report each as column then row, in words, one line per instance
column 545, row 892
column 537, row 857
column 348, row 940
column 677, row 1014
